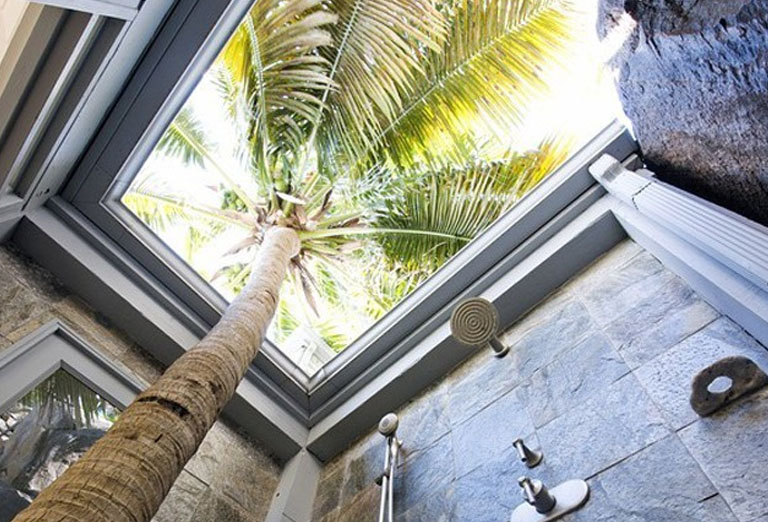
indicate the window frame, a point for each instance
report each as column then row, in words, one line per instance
column 53, row 347
column 183, row 49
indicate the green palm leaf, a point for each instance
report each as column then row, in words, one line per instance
column 185, row 139
column 486, row 74
column 272, row 79
column 452, row 205
column 376, row 61
column 65, row 390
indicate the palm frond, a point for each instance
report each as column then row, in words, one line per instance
column 160, row 209
column 185, row 139
column 377, row 60
column 387, row 287
column 79, row 401
column 485, row 76
column 272, row 78
column 454, row 205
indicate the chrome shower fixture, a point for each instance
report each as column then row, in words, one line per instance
column 388, row 424
column 475, row 322
column 537, row 495
column 528, row 456
column 388, row 428
column 543, row 505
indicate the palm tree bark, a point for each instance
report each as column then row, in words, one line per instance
column 126, row 475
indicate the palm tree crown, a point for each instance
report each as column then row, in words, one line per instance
column 383, row 131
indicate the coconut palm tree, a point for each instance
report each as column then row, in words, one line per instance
column 361, row 128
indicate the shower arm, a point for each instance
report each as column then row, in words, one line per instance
column 385, row 483
column 388, row 428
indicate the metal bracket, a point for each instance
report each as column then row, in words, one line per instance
column 569, row 496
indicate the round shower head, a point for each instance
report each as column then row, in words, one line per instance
column 388, row 424
column 475, row 322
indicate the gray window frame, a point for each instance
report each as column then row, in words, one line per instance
column 52, row 347
column 188, row 42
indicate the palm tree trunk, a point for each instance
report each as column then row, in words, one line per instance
column 126, row 475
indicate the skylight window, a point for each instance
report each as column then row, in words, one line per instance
column 388, row 133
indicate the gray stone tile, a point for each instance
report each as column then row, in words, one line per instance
column 490, row 492
column 477, row 383
column 362, row 471
column 426, row 472
column 364, row 507
column 637, row 282
column 484, row 378
column 439, row 506
column 425, row 419
column 236, row 468
column 668, row 377
column 662, row 483
column 213, row 506
column 19, row 305
column 328, row 491
column 206, row 460
column 573, row 378
column 246, row 475
column 606, row 429
column 19, row 268
column 568, row 325
column 731, row 447
column 656, row 300
column 537, row 316
column 639, row 341
column 182, row 500
column 489, row 435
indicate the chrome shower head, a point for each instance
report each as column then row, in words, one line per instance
column 475, row 322
column 388, row 424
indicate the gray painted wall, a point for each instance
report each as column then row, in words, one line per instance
column 231, row 478
column 598, row 377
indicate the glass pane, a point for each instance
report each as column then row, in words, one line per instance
column 389, row 142
column 43, row 433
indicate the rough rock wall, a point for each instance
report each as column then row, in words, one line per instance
column 598, row 377
column 694, row 82
column 230, row 479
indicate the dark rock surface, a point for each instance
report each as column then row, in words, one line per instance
column 11, row 502
column 694, row 82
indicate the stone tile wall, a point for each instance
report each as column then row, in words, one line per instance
column 231, row 478
column 598, row 377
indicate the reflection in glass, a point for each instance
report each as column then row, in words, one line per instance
column 43, row 433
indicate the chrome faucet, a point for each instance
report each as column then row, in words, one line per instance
column 537, row 494
column 543, row 505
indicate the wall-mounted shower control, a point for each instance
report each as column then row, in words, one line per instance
column 528, row 456
column 537, row 495
column 545, row 505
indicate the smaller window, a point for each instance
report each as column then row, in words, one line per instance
column 43, row 433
